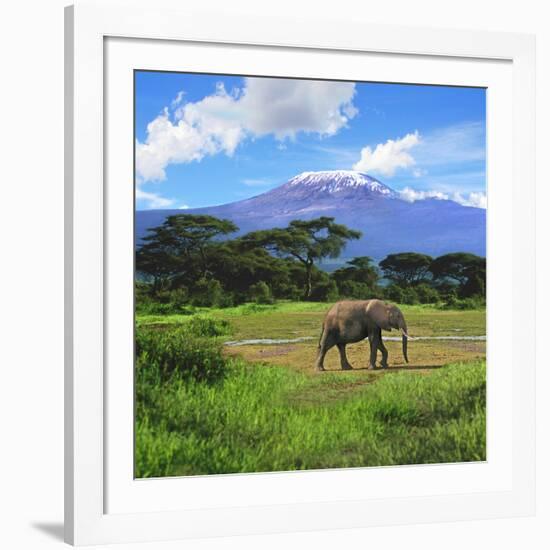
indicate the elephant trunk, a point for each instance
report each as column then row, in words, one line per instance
column 404, row 340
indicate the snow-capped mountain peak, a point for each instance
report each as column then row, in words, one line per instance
column 334, row 181
column 389, row 222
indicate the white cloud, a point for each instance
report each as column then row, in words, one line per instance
column 412, row 195
column 450, row 146
column 476, row 199
column 184, row 207
column 169, row 142
column 285, row 107
column 388, row 157
column 220, row 122
column 153, row 199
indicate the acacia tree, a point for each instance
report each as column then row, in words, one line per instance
column 179, row 245
column 358, row 278
column 360, row 269
column 305, row 241
column 238, row 269
column 468, row 270
column 406, row 268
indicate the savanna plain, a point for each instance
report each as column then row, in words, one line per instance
column 234, row 390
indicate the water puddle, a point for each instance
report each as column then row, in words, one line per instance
column 268, row 341
column 459, row 338
column 275, row 341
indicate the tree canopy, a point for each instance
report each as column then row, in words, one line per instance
column 458, row 266
column 468, row 270
column 360, row 269
column 179, row 245
column 306, row 241
column 195, row 260
column 406, row 268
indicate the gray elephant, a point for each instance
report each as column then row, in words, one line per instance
column 352, row 321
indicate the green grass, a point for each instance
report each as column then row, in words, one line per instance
column 273, row 419
column 232, row 312
column 291, row 319
column 254, row 409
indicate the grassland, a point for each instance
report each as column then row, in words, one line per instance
column 264, row 408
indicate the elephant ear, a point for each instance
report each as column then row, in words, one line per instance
column 379, row 313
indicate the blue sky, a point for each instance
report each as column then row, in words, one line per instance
column 212, row 139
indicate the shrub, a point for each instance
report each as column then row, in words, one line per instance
column 227, row 299
column 161, row 354
column 251, row 307
column 203, row 326
column 332, row 293
column 409, row 296
column 401, row 295
column 427, row 294
column 288, row 291
column 207, row 293
column 394, row 293
column 162, row 302
column 325, row 291
column 356, row 290
column 447, row 291
column 261, row 293
column 147, row 306
column 475, row 302
column 179, row 297
column 151, row 307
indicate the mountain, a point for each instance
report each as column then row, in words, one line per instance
column 389, row 224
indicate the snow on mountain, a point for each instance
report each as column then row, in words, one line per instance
column 334, row 181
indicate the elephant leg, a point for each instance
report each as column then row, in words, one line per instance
column 383, row 349
column 343, row 359
column 320, row 359
column 327, row 342
column 373, row 341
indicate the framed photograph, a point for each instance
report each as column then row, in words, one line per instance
column 299, row 274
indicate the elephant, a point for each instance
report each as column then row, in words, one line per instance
column 351, row 321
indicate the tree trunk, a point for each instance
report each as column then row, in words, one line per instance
column 203, row 261
column 307, row 294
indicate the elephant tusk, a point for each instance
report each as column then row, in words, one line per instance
column 409, row 337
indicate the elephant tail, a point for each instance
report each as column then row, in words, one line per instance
column 321, row 336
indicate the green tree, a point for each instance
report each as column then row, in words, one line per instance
column 357, row 291
column 465, row 269
column 238, row 268
column 406, row 268
column 305, row 241
column 361, row 271
column 180, row 245
column 156, row 259
column 325, row 291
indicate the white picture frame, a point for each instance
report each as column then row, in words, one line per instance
column 96, row 469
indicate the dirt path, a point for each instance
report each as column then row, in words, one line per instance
column 423, row 354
